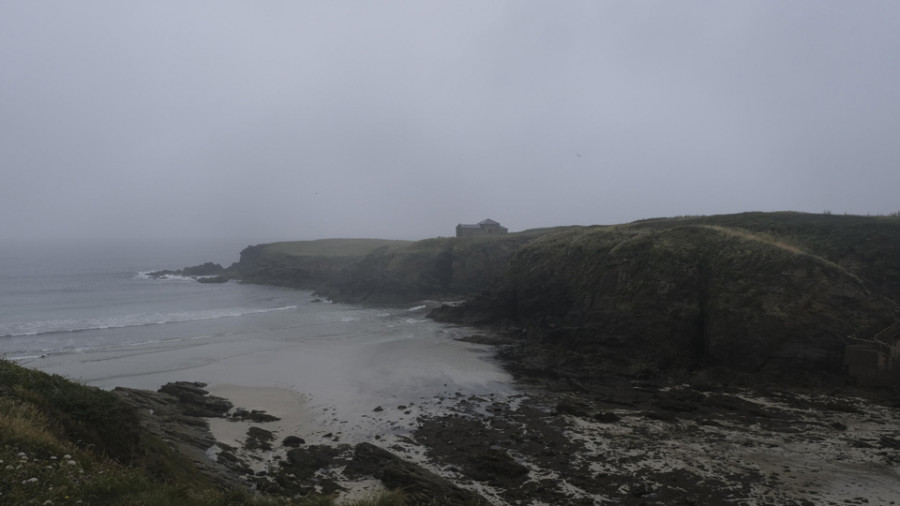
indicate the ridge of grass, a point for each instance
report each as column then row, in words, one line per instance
column 332, row 247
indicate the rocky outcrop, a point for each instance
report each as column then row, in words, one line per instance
column 175, row 414
column 207, row 273
column 206, row 269
column 193, row 400
column 420, row 486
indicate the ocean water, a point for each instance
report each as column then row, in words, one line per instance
column 58, row 297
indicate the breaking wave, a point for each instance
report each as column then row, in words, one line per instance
column 134, row 320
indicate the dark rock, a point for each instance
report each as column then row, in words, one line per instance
column 420, row 485
column 493, row 339
column 293, row 441
column 165, row 416
column 496, row 467
column 606, row 417
column 662, row 416
column 258, row 416
column 738, row 405
column 207, row 269
column 195, row 400
column 259, row 439
column 574, row 408
column 304, row 462
column 889, row 442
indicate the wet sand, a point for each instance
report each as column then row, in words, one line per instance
column 317, row 386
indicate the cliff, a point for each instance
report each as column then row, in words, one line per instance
column 783, row 297
column 766, row 294
column 376, row 271
column 305, row 264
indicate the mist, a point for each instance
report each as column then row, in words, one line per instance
column 300, row 120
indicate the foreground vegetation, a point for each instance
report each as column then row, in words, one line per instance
column 66, row 443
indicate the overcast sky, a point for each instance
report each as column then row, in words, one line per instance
column 278, row 120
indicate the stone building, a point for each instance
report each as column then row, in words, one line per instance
column 486, row 227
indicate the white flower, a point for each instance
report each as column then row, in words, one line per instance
column 72, row 463
column 29, row 480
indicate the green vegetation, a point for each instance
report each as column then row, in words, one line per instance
column 65, row 443
column 867, row 246
column 332, row 247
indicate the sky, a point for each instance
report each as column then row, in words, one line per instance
column 287, row 120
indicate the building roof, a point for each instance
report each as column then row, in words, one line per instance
column 488, row 222
column 462, row 225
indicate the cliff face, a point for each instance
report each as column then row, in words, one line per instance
column 305, row 264
column 673, row 296
column 351, row 270
column 433, row 268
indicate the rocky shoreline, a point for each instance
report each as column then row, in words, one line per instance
column 621, row 441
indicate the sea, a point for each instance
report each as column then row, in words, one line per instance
column 74, row 296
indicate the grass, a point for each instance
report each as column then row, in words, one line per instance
column 62, row 442
column 333, row 247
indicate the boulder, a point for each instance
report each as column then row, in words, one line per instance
column 206, row 269
column 420, row 485
column 195, row 400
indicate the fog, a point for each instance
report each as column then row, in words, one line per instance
column 279, row 120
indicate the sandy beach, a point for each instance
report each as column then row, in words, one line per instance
column 348, row 386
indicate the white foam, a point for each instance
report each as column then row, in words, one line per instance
column 131, row 320
column 167, row 277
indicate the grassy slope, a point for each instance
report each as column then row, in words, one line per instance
column 867, row 246
column 67, row 443
column 332, row 247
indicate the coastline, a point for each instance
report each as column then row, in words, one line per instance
column 514, row 435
